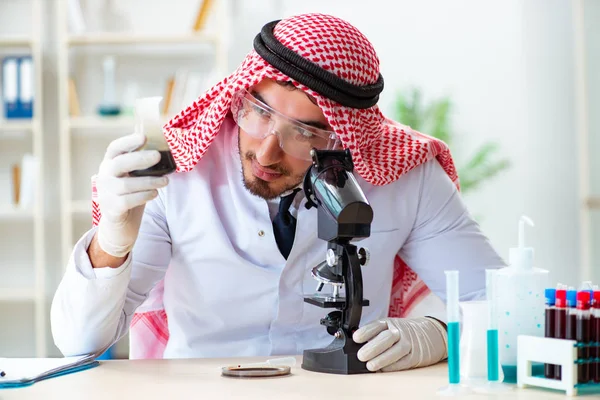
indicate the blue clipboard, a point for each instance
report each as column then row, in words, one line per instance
column 28, row 382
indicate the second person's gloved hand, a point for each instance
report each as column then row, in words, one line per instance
column 121, row 197
column 395, row 344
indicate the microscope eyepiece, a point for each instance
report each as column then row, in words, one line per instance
column 330, row 185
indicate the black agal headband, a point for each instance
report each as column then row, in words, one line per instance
column 311, row 75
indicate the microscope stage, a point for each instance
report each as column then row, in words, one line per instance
column 330, row 302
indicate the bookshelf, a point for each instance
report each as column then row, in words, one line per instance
column 14, row 217
column 88, row 133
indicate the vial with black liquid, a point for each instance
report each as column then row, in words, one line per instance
column 148, row 122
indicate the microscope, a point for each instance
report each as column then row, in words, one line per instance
column 344, row 214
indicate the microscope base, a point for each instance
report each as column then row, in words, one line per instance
column 337, row 358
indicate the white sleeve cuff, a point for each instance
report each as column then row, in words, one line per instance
column 83, row 265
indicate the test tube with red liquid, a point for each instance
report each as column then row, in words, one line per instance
column 550, row 323
column 560, row 320
column 583, row 335
column 596, row 334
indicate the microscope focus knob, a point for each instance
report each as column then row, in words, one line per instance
column 363, row 256
column 333, row 322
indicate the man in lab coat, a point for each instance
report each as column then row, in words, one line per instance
column 228, row 235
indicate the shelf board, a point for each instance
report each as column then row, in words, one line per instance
column 97, row 122
column 132, row 39
column 17, row 294
column 11, row 212
column 82, row 207
column 15, row 41
column 120, row 123
column 9, row 125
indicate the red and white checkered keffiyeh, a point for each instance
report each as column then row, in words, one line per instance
column 382, row 150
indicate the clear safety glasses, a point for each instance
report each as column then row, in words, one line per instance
column 295, row 138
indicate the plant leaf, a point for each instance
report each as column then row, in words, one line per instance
column 409, row 109
column 438, row 114
column 482, row 154
column 433, row 119
column 472, row 178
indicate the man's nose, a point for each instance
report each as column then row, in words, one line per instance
column 269, row 152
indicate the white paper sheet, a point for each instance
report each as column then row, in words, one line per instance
column 18, row 369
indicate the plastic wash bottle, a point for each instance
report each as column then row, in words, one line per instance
column 521, row 303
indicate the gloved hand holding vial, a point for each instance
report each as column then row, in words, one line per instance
column 147, row 123
column 130, row 175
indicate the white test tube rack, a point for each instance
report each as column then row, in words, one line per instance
column 545, row 350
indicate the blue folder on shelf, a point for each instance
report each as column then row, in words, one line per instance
column 20, row 372
column 18, row 87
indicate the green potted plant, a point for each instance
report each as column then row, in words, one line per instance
column 433, row 119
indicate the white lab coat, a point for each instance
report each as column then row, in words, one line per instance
column 227, row 289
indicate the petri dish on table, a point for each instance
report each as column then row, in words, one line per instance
column 255, row 372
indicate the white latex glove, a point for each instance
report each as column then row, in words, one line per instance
column 121, row 197
column 396, row 344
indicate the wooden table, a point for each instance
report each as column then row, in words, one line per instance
column 201, row 379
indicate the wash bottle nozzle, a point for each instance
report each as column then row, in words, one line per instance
column 521, row 256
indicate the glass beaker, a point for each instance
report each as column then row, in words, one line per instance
column 147, row 122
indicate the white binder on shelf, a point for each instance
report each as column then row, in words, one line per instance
column 29, row 176
column 26, row 86
column 10, row 87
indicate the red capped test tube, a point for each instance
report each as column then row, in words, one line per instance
column 595, row 333
column 560, row 318
column 583, row 335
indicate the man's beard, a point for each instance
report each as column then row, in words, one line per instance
column 261, row 188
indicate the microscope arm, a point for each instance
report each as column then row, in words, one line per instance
column 354, row 289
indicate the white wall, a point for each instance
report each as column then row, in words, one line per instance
column 508, row 66
column 592, row 47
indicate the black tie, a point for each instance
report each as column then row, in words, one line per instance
column 284, row 225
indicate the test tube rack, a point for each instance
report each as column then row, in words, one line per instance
column 561, row 352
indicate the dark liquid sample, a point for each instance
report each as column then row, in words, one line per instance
column 597, row 340
column 583, row 336
column 571, row 326
column 594, row 349
column 560, row 333
column 549, row 369
column 165, row 166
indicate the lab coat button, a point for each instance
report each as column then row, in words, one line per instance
column 261, row 233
